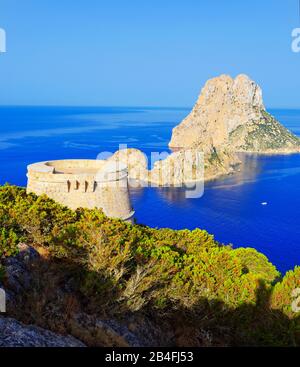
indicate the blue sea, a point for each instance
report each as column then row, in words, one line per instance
column 230, row 208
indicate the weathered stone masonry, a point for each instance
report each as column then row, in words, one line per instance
column 83, row 183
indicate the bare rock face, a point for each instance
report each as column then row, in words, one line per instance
column 100, row 333
column 188, row 166
column 230, row 114
column 16, row 334
column 17, row 268
column 179, row 168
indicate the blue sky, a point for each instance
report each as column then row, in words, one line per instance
column 145, row 53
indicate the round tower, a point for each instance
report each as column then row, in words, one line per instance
column 84, row 183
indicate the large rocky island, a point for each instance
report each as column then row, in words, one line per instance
column 230, row 114
column 228, row 117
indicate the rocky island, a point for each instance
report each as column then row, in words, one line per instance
column 230, row 114
column 229, row 117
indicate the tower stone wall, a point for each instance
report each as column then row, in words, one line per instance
column 84, row 183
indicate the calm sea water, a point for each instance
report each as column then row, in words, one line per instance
column 230, row 208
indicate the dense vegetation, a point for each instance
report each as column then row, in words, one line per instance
column 114, row 268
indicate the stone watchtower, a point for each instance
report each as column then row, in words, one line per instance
column 84, row 183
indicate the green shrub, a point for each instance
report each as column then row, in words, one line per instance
column 255, row 262
column 8, row 242
column 286, row 292
column 184, row 266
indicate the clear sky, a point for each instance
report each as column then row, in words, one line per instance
column 145, row 52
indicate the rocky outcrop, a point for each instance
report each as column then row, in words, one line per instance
column 18, row 270
column 230, row 115
column 102, row 333
column 16, row 334
column 188, row 166
column 179, row 168
column 134, row 331
column 136, row 162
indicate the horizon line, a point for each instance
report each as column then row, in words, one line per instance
column 128, row 106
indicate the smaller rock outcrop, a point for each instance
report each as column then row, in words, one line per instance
column 191, row 165
column 178, row 168
column 135, row 161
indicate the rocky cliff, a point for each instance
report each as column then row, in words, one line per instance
column 230, row 114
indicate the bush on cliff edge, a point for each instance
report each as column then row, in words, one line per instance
column 124, row 267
